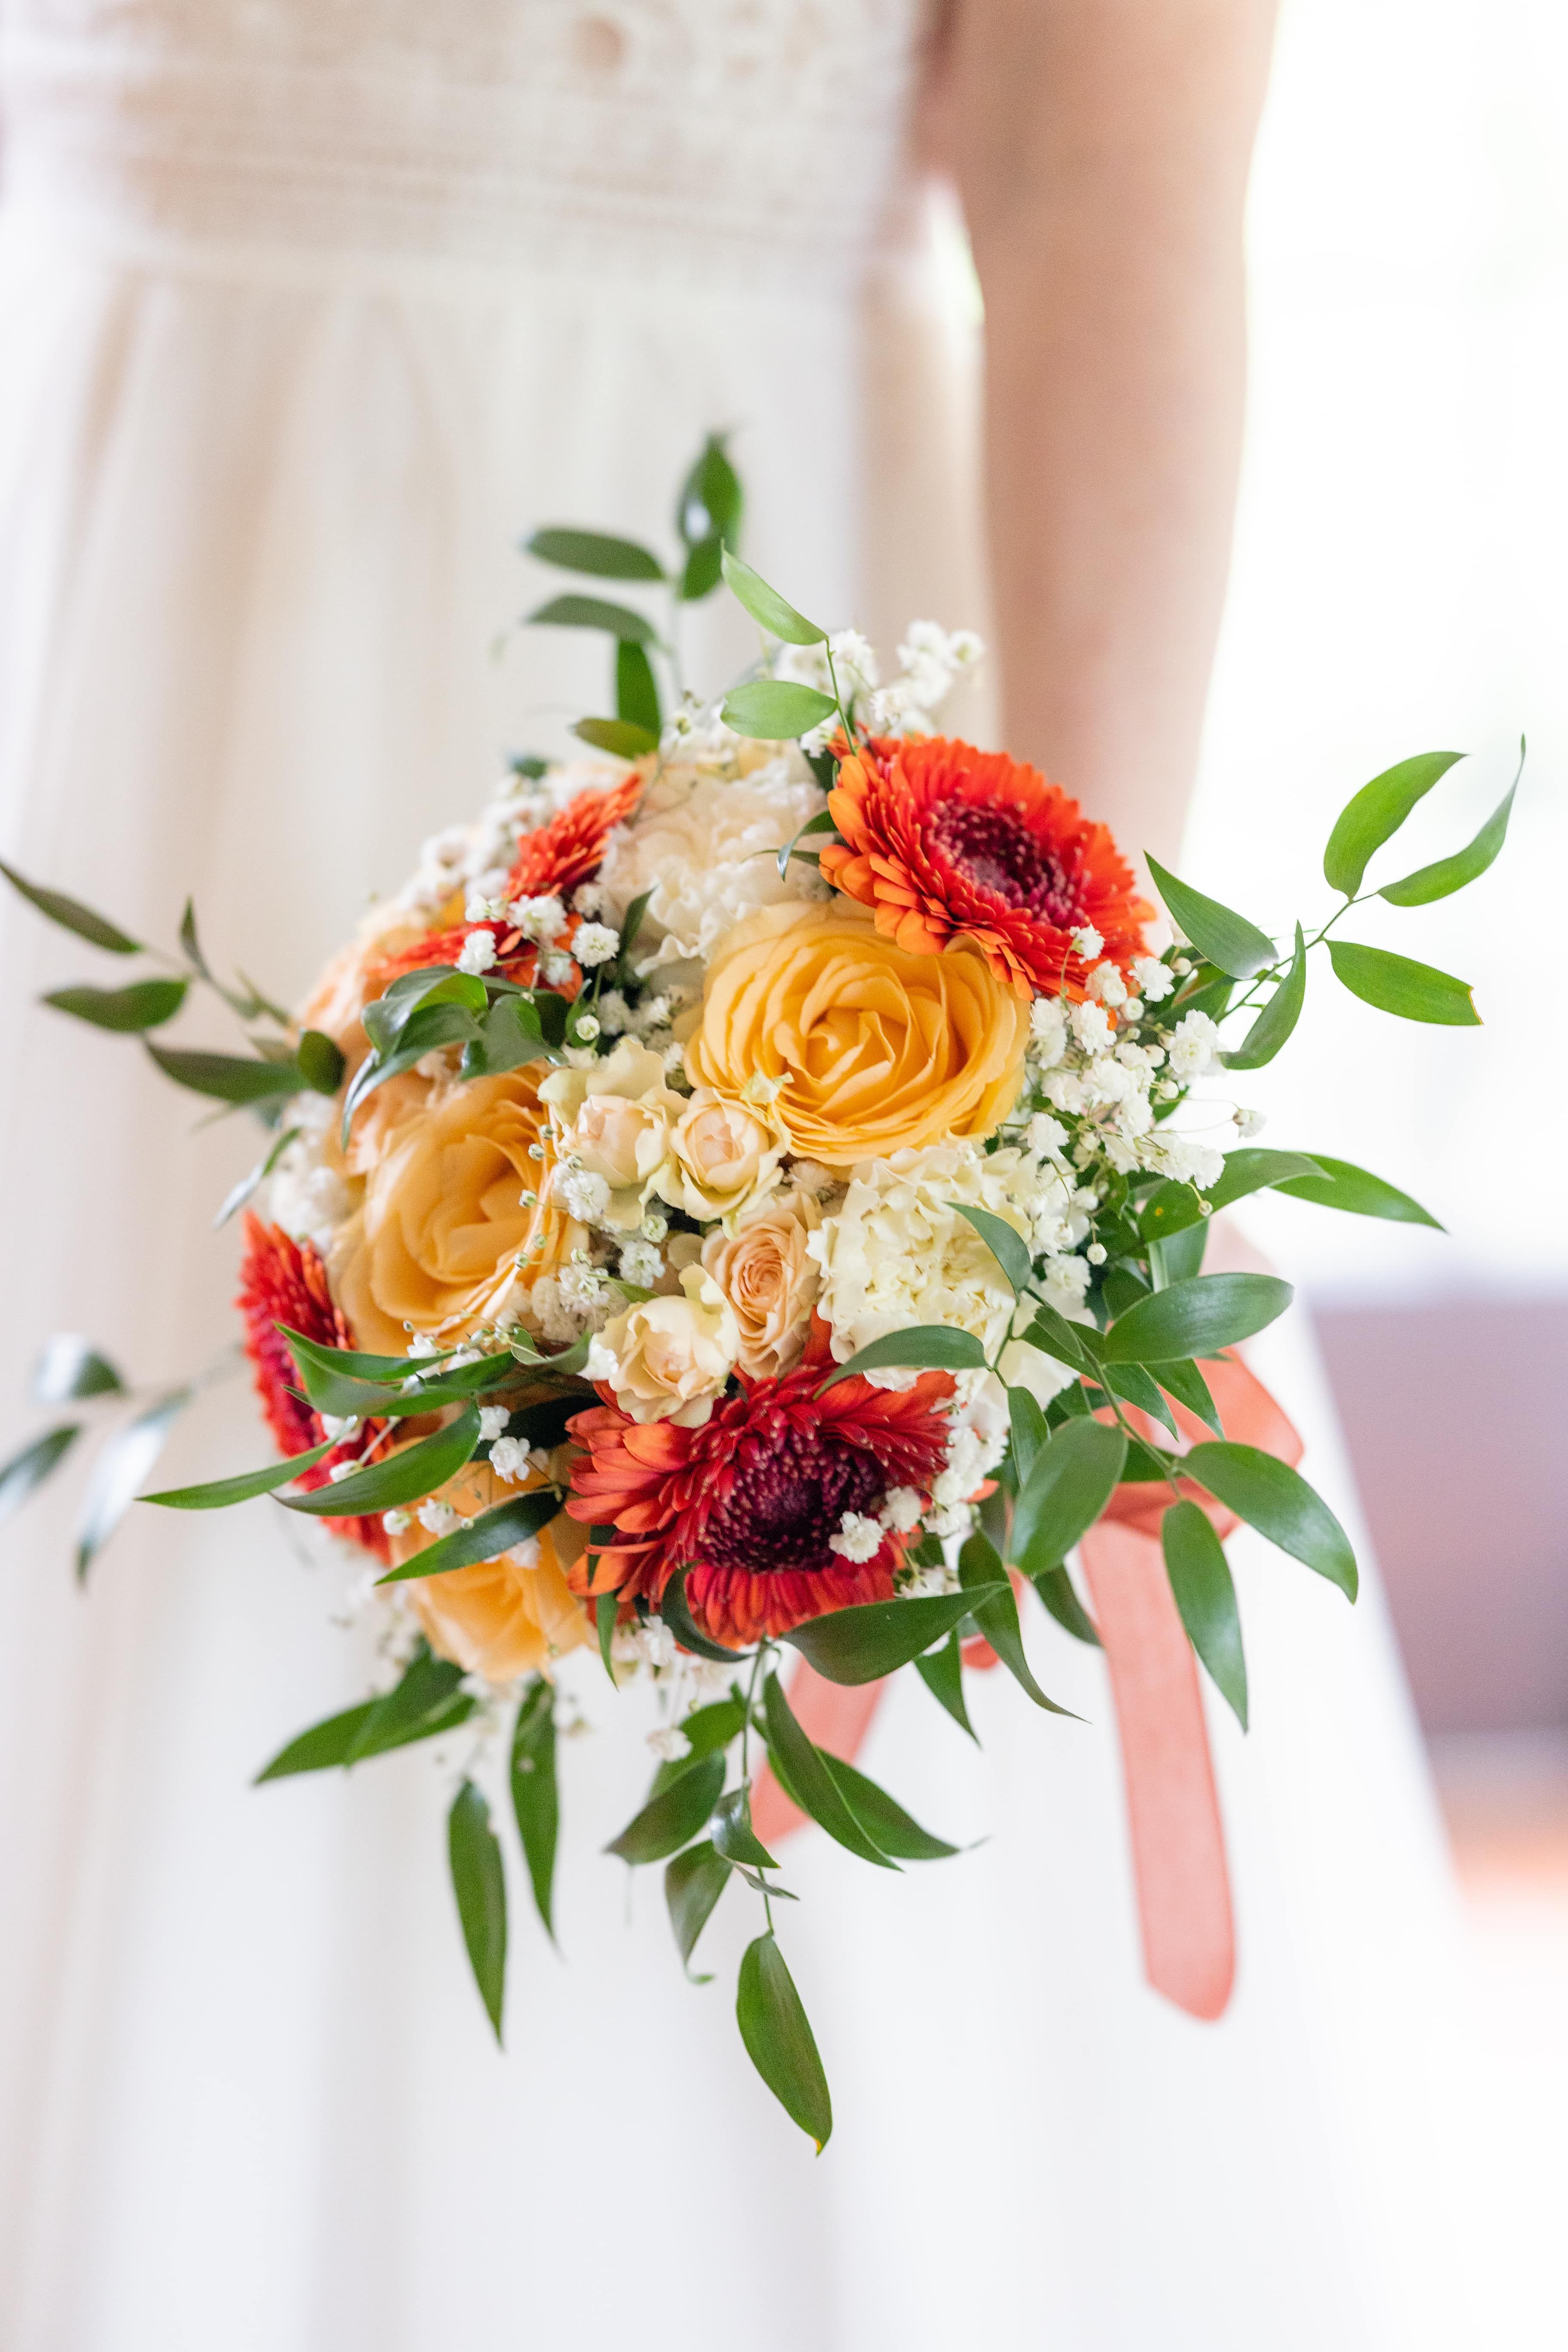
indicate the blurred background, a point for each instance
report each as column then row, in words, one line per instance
column 1400, row 586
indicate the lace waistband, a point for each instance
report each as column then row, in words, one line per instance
column 281, row 163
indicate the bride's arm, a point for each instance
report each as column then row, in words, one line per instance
column 1102, row 150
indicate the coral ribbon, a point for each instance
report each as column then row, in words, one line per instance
column 1178, row 1838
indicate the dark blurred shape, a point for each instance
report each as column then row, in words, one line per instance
column 1456, row 1418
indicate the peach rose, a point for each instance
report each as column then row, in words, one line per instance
column 614, row 1123
column 771, row 1284
column 673, row 1355
column 504, row 1617
column 864, row 1048
column 456, row 1200
column 723, row 1156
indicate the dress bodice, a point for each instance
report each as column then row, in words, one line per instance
column 758, row 138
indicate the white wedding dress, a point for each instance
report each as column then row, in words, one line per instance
column 308, row 309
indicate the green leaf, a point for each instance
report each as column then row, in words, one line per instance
column 377, row 1727
column 606, row 1609
column 248, row 1184
column 694, row 1882
column 674, row 1817
column 33, row 1464
column 1196, row 1318
column 534, row 1798
column 126, row 1459
column 1070, row 1482
column 1029, row 1428
column 1054, row 1587
column 1077, row 1344
column 769, row 609
column 1275, row 1500
column 734, row 1835
column 420, row 1702
column 1134, row 1385
column 247, row 1001
column 1451, row 874
column 512, row 1034
column 227, row 1077
column 1005, row 1243
column 1224, row 938
column 484, row 1538
column 72, row 1367
column 616, row 736
column 1337, row 1184
column 1179, row 1256
column 778, row 2038
column 1170, row 1209
column 334, row 1372
column 1394, row 983
column 710, row 500
column 941, row 1671
column 821, row 823
column 593, row 612
column 980, row 1573
column 678, row 1616
column 1200, row 1579
column 630, row 926
column 405, row 1477
column 72, row 916
column 636, row 694
column 321, row 1062
column 775, row 709
column 1375, row 814
column 324, row 1747
column 1252, row 1168
column 1278, row 1018
column 221, row 1492
column 804, row 1774
column 607, row 557
column 146, row 1004
column 1188, row 1386
column 712, row 1727
column 479, row 1882
column 862, row 1646
column 386, row 1016
column 895, row 1831
column 702, row 572
column 929, row 1346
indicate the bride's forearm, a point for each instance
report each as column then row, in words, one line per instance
column 1101, row 148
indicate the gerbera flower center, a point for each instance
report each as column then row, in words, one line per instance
column 996, row 849
column 789, row 1492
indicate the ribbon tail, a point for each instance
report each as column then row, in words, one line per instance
column 1178, row 1842
column 835, row 1716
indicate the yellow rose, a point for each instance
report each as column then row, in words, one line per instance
column 870, row 1049
column 771, row 1284
column 434, row 1243
column 614, row 1123
column 673, row 1356
column 723, row 1156
column 501, row 1618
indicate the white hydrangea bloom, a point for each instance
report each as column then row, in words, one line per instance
column 898, row 1252
column 705, row 848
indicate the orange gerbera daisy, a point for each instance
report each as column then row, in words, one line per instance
column 566, row 851
column 284, row 1281
column 549, row 863
column 945, row 842
column 747, row 1503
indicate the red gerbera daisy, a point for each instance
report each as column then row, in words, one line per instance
column 284, row 1281
column 747, row 1503
column 946, row 841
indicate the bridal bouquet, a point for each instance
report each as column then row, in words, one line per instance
column 748, row 1192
